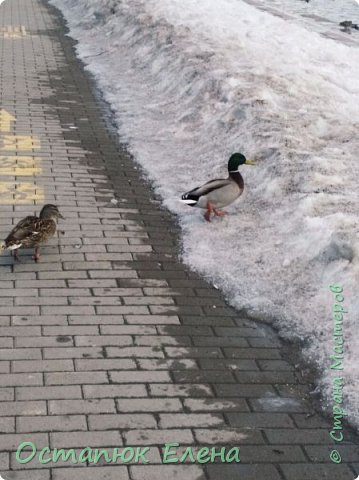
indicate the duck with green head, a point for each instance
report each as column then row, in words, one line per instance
column 219, row 192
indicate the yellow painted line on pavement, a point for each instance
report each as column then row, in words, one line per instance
column 20, row 171
column 19, row 142
column 13, row 31
column 23, row 161
column 13, row 193
column 16, row 192
column 20, row 166
column 5, row 121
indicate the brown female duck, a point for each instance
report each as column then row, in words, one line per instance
column 32, row 231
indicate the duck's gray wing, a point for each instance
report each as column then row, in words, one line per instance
column 26, row 228
column 208, row 187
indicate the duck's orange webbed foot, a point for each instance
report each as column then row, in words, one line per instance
column 36, row 255
column 210, row 209
column 220, row 213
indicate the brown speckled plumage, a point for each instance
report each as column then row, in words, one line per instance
column 33, row 231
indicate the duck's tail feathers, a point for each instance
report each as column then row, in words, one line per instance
column 190, row 199
column 14, row 246
column 10, row 246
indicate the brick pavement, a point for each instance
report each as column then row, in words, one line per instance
column 109, row 341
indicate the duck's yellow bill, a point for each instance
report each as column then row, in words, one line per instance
column 250, row 162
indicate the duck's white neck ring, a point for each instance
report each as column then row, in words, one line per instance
column 233, row 171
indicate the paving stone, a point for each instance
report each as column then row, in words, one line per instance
column 257, row 353
column 15, row 379
column 42, row 341
column 203, row 376
column 121, row 310
column 27, row 475
column 160, row 340
column 265, row 377
column 173, row 309
column 7, row 424
column 51, row 423
column 105, row 364
column 53, row 301
column 112, row 391
column 75, row 378
column 5, row 322
column 244, row 390
column 122, row 421
column 167, row 364
column 183, row 330
column 70, row 407
column 249, row 472
column 220, row 341
column 316, row 472
column 73, row 352
column 4, row 461
column 274, row 365
column 207, row 320
column 260, row 420
column 84, row 439
column 158, row 437
column 7, row 394
column 190, row 420
column 40, row 320
column 313, row 421
column 139, row 377
column 97, row 340
column 216, row 364
column 11, row 441
column 95, row 320
column 169, row 390
column 231, row 436
column 71, row 330
column 152, row 472
column 48, row 393
column 149, row 405
column 193, row 352
column 215, row 405
column 152, row 319
column 4, row 367
column 142, row 352
column 23, row 408
column 42, row 365
column 69, row 310
column 294, row 436
column 19, row 331
column 127, row 330
column 294, row 390
column 277, row 404
column 95, row 473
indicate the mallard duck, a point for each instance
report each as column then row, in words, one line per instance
column 31, row 231
column 220, row 192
